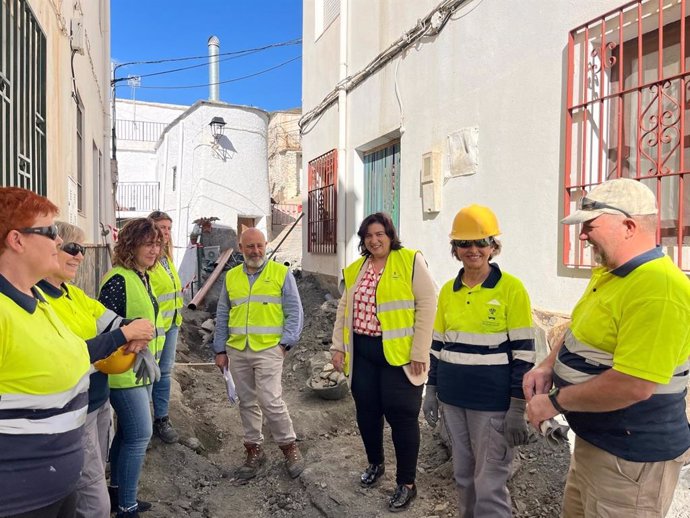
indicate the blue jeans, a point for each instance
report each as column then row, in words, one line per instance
column 161, row 389
column 133, row 433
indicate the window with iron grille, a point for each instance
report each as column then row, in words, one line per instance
column 325, row 12
column 80, row 154
column 382, row 181
column 628, row 98
column 22, row 98
column 322, row 204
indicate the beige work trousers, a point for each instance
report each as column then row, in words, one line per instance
column 601, row 485
column 257, row 376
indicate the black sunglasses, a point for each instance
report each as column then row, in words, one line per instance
column 479, row 243
column 50, row 232
column 74, row 249
column 588, row 205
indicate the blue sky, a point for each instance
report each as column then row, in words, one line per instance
column 144, row 30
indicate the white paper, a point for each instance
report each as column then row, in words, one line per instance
column 554, row 432
column 230, row 386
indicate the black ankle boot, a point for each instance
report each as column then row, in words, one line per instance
column 372, row 474
column 142, row 505
column 402, row 497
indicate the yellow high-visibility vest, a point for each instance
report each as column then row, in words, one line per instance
column 256, row 312
column 138, row 305
column 168, row 289
column 394, row 305
column 44, row 367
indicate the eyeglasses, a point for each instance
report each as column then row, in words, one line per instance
column 74, row 249
column 588, row 205
column 49, row 232
column 479, row 243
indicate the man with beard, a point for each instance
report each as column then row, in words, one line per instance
column 621, row 371
column 258, row 320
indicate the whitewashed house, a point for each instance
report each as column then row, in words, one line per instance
column 139, row 125
column 421, row 107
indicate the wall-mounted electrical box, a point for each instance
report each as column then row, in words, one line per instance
column 77, row 35
column 431, row 181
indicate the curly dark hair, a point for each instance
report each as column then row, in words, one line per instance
column 135, row 233
column 383, row 219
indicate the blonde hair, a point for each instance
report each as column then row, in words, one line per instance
column 70, row 233
column 159, row 215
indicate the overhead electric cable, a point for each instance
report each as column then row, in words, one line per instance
column 182, row 87
column 162, row 72
column 288, row 43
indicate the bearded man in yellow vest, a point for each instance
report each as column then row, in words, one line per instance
column 258, row 320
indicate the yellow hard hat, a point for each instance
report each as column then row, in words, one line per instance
column 117, row 363
column 474, row 222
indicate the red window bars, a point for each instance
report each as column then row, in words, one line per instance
column 628, row 96
column 322, row 203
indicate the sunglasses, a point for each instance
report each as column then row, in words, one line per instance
column 49, row 232
column 588, row 205
column 74, row 249
column 479, row 243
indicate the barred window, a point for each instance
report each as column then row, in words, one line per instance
column 628, row 98
column 22, row 98
column 322, row 204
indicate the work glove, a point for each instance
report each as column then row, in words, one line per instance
column 145, row 368
column 430, row 405
column 515, row 426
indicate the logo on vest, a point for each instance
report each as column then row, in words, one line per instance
column 395, row 276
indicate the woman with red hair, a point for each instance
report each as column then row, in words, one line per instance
column 44, row 369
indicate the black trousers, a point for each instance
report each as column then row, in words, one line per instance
column 381, row 390
column 64, row 508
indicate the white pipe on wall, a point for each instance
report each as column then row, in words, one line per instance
column 344, row 182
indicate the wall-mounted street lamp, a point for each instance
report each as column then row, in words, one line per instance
column 217, row 126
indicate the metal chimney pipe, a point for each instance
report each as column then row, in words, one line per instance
column 213, row 72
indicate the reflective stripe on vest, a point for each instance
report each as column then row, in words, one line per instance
column 473, row 359
column 59, row 423
column 490, row 340
column 256, row 312
column 139, row 305
column 591, row 362
column 394, row 304
column 44, row 401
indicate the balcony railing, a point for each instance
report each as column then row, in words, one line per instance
column 143, row 131
column 138, row 196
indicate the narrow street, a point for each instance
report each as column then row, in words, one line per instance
column 196, row 478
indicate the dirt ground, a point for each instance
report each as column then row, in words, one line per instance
column 196, row 478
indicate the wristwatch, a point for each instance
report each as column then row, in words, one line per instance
column 553, row 395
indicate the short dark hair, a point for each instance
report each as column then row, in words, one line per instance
column 383, row 219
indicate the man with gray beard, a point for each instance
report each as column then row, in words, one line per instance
column 258, row 320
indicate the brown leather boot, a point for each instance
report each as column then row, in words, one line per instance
column 255, row 459
column 293, row 459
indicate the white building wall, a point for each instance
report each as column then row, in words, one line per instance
column 138, row 159
column 92, row 82
column 227, row 179
column 496, row 66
